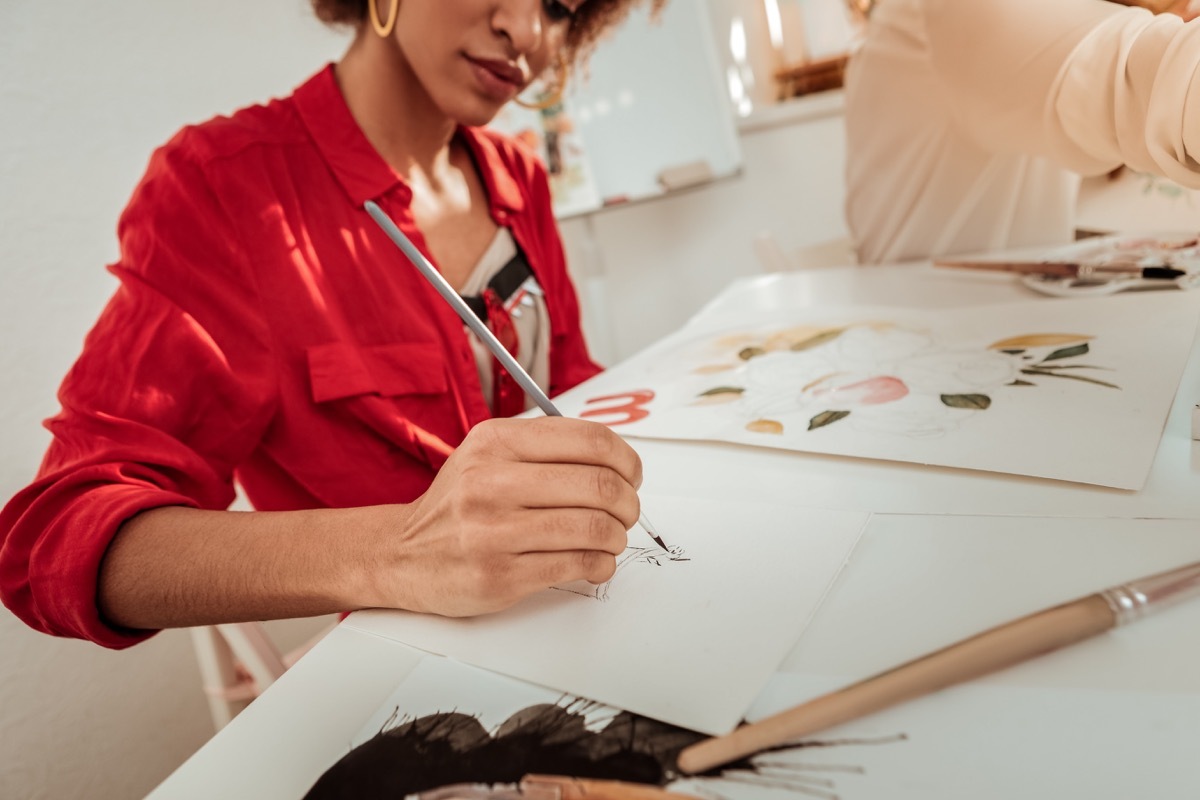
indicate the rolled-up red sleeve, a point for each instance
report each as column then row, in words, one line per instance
column 264, row 324
column 173, row 389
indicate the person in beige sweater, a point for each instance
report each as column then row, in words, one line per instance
column 969, row 123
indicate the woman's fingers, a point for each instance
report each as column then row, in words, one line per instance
column 560, row 529
column 560, row 440
column 527, row 573
column 521, row 505
column 550, row 486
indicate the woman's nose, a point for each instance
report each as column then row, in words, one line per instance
column 520, row 21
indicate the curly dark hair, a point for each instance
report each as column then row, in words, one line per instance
column 592, row 19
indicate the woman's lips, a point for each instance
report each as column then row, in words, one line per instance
column 499, row 79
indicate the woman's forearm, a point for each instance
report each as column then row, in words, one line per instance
column 175, row 566
column 521, row 505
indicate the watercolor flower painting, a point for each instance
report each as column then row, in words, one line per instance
column 883, row 377
column 1021, row 388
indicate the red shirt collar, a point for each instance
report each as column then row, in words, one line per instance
column 362, row 172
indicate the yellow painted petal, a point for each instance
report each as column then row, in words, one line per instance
column 764, row 426
column 802, row 337
column 1040, row 340
column 716, row 399
column 782, row 340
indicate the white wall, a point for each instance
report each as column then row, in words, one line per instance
column 662, row 259
column 87, row 90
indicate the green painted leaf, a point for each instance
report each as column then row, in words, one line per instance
column 1049, row 374
column 1038, row 340
column 722, row 390
column 972, row 401
column 1013, row 352
column 1068, row 352
column 826, row 418
column 1019, row 382
column 747, row 353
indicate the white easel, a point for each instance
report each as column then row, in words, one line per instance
column 238, row 661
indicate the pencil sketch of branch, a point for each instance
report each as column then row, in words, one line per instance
column 883, row 377
column 412, row 755
column 650, row 556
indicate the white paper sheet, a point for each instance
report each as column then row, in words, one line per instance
column 917, row 583
column 993, row 743
column 1075, row 390
column 690, row 642
column 1115, row 716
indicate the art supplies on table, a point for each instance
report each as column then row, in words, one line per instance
column 448, row 723
column 1041, row 730
column 1101, row 265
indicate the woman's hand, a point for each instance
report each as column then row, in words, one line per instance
column 520, row 506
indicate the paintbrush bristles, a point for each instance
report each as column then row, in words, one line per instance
column 980, row 655
column 1057, row 269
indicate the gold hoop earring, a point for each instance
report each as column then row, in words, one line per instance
column 552, row 96
column 383, row 29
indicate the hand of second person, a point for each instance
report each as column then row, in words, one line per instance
column 520, row 506
column 1188, row 9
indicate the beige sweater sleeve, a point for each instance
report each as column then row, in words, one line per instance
column 1087, row 83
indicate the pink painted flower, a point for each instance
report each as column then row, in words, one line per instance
column 870, row 392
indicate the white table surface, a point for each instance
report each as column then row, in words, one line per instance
column 302, row 724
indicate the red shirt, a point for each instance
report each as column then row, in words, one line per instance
column 265, row 327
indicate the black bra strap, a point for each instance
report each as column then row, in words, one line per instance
column 505, row 283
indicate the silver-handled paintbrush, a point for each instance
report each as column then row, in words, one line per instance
column 473, row 322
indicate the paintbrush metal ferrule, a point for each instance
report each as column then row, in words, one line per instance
column 1110, row 271
column 443, row 288
column 1132, row 601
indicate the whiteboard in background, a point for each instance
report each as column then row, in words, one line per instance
column 650, row 101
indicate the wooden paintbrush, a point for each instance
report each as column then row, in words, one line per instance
column 1073, row 269
column 476, row 325
column 553, row 787
column 979, row 655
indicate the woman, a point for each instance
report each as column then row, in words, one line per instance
column 266, row 329
column 968, row 124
